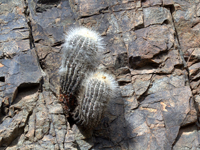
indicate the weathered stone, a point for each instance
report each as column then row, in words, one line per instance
column 141, row 84
column 114, row 126
column 161, row 83
column 168, row 2
column 169, row 106
column 88, row 8
column 188, row 138
column 125, row 5
column 156, row 15
column 15, row 44
column 192, row 55
column 25, row 102
column 187, row 24
column 194, row 76
column 70, row 140
column 144, row 71
column 155, row 2
column 23, row 71
column 31, row 127
column 124, row 79
column 191, row 116
column 193, row 70
column 122, row 71
column 148, row 43
column 42, row 123
column 9, row 131
column 156, row 110
column 47, row 142
column 48, row 30
column 127, row 90
column 84, row 145
column 55, row 109
column 14, row 29
column 198, row 11
column 60, row 128
column 129, row 19
column 146, row 3
column 131, row 103
column 169, row 61
column 114, row 26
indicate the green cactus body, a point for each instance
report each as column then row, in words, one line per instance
column 81, row 52
column 99, row 88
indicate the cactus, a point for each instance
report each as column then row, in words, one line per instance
column 98, row 89
column 81, row 52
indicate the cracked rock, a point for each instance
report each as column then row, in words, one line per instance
column 151, row 46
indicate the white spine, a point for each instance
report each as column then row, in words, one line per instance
column 99, row 88
column 81, row 52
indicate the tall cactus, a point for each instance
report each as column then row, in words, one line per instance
column 98, row 89
column 81, row 52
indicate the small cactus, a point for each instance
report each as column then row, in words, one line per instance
column 81, row 52
column 98, row 89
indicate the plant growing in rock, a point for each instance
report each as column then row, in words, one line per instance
column 97, row 90
column 81, row 52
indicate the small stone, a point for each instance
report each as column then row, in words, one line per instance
column 11, row 112
column 155, row 2
column 38, row 134
column 131, row 102
column 127, row 90
column 188, row 138
column 156, row 15
column 55, row 109
column 124, row 79
column 141, row 83
column 167, row 2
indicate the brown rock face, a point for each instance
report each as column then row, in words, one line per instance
column 152, row 48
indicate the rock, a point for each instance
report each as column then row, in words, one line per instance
column 187, row 24
column 69, row 141
column 191, row 116
column 168, row 2
column 14, row 43
column 131, row 103
column 187, row 138
column 127, row 90
column 129, row 19
column 9, row 131
column 156, row 109
column 194, row 76
column 23, row 71
column 148, row 43
column 89, row 8
column 156, row 15
column 161, row 83
column 194, row 69
column 122, row 71
column 14, row 29
column 150, row 46
column 48, row 35
column 141, row 84
column 124, row 79
column 192, row 56
column 125, row 5
column 22, row 108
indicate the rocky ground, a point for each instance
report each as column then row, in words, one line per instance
column 152, row 47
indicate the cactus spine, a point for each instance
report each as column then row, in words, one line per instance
column 81, row 52
column 98, row 89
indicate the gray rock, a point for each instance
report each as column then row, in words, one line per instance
column 156, row 15
column 151, row 47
